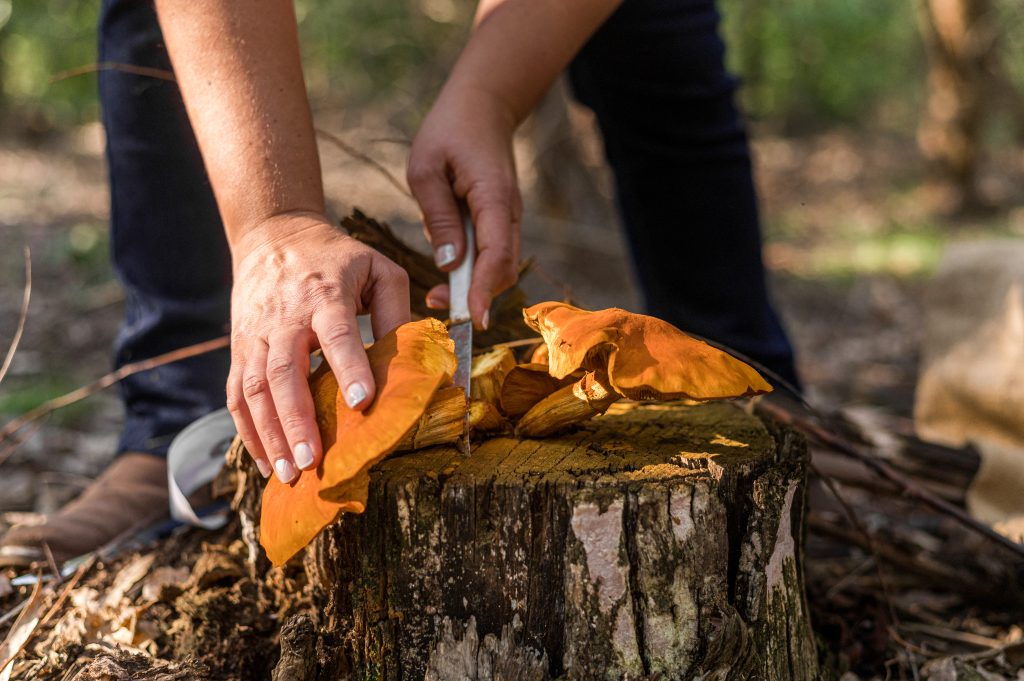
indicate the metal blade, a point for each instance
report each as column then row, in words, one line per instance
column 462, row 334
column 461, row 326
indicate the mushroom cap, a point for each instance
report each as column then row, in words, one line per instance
column 293, row 514
column 645, row 358
column 409, row 365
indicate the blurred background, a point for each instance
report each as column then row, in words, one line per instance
column 882, row 131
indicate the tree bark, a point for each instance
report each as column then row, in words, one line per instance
column 959, row 38
column 655, row 542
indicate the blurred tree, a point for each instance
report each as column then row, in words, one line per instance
column 960, row 38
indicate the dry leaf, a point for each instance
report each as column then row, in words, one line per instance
column 645, row 358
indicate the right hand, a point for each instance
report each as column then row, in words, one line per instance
column 463, row 154
column 299, row 283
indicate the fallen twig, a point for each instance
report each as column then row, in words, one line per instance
column 161, row 74
column 910, row 488
column 360, row 156
column 110, row 379
column 22, row 318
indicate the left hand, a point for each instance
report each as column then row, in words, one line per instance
column 463, row 154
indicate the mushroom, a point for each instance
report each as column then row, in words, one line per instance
column 573, row 403
column 526, row 385
column 488, row 374
column 409, row 365
column 292, row 515
column 645, row 358
column 626, row 355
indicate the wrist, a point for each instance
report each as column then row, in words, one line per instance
column 274, row 230
column 483, row 103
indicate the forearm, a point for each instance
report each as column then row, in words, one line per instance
column 519, row 47
column 237, row 64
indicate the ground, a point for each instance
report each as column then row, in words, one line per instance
column 850, row 244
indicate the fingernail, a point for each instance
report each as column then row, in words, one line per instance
column 355, row 395
column 285, row 470
column 486, row 320
column 303, row 455
column 264, row 467
column 434, row 304
column 444, row 254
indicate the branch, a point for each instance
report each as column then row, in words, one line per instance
column 26, row 296
column 109, row 380
column 910, row 488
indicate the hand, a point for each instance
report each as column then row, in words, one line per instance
column 299, row 283
column 463, row 153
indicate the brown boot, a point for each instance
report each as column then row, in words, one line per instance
column 130, row 494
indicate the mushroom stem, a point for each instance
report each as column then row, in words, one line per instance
column 574, row 403
column 443, row 422
column 488, row 374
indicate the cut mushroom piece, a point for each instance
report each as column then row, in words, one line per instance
column 571, row 404
column 539, row 354
column 409, row 365
column 526, row 385
column 484, row 417
column 443, row 422
column 645, row 357
column 292, row 515
column 488, row 373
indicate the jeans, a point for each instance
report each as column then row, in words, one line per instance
column 653, row 74
column 168, row 245
column 655, row 77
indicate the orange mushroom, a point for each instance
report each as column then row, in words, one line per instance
column 645, row 358
column 292, row 515
column 409, row 364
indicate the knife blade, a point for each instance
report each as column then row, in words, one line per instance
column 460, row 327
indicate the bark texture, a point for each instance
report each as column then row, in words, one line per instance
column 960, row 39
column 655, row 542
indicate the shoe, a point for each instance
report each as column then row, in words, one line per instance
column 130, row 494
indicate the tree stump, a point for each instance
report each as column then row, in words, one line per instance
column 655, row 542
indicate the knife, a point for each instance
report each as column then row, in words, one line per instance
column 460, row 326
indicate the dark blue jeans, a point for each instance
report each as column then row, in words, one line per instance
column 655, row 77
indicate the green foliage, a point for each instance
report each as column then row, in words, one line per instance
column 42, row 38
column 805, row 63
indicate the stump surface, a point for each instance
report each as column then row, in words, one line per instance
column 654, row 542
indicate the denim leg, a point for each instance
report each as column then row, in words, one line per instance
column 655, row 77
column 168, row 245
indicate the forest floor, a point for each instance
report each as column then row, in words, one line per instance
column 849, row 247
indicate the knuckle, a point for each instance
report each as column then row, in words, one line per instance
column 339, row 334
column 233, row 403
column 320, row 290
column 254, row 386
column 418, row 173
column 280, row 369
column 396, row 275
column 292, row 421
column 443, row 227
